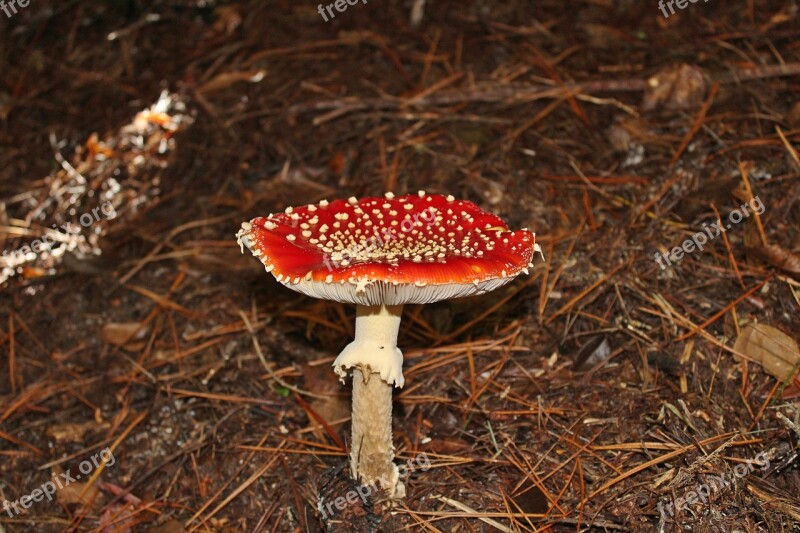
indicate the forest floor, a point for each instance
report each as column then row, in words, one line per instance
column 644, row 377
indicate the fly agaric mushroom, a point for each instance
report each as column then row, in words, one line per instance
column 382, row 253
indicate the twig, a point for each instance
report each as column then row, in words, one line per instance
column 698, row 123
column 480, row 516
column 513, row 94
column 722, row 311
column 730, row 251
column 746, row 180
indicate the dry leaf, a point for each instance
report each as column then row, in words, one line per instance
column 228, row 19
column 601, row 35
column 776, row 351
column 171, row 526
column 122, row 333
column 778, row 257
column 73, row 493
column 332, row 409
column 226, row 79
column 118, row 519
column 793, row 116
column 70, row 432
column 678, row 87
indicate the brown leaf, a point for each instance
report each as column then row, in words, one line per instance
column 333, row 409
column 70, row 432
column 776, row 351
column 793, row 115
column 123, row 333
column 601, row 35
column 171, row 526
column 320, row 379
column 226, row 79
column 778, row 257
column 714, row 189
column 118, row 519
column 228, row 19
column 73, row 493
column 679, row 87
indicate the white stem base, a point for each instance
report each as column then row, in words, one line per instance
column 371, row 449
column 374, row 348
column 377, row 364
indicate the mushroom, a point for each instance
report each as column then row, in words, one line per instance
column 380, row 254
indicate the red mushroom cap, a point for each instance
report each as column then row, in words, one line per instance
column 416, row 248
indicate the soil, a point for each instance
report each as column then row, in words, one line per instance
column 643, row 377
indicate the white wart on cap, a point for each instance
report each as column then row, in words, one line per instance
column 411, row 249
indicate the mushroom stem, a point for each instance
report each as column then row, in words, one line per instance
column 372, row 450
column 377, row 364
